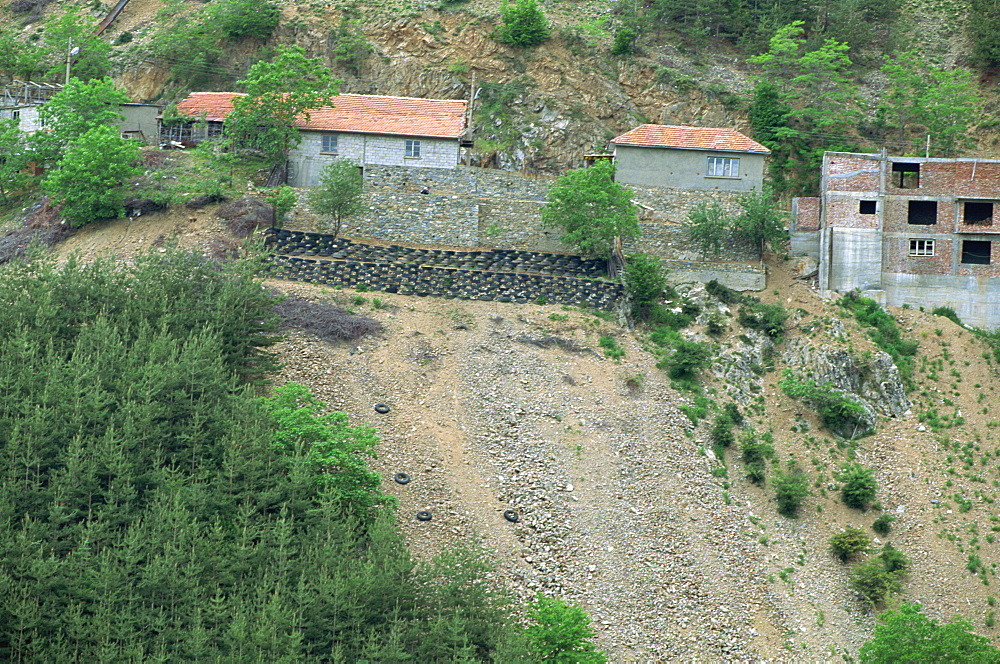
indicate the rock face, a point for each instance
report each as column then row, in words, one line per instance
column 874, row 381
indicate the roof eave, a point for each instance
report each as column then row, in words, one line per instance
column 676, row 147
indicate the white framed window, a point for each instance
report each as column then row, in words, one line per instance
column 412, row 148
column 16, row 115
column 921, row 247
column 723, row 167
column 329, row 144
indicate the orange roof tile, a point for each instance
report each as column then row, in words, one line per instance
column 370, row 114
column 689, row 138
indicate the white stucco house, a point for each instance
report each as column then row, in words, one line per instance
column 367, row 129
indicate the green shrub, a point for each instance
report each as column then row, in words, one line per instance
column 848, row 542
column 874, row 582
column 625, row 41
column 645, row 280
column 723, row 294
column 611, row 348
column 523, row 24
column 756, row 451
column 883, row 524
column 767, row 318
column 733, row 412
column 790, row 489
column 661, row 315
column 858, row 488
column 686, row 359
column 838, row 410
column 247, row 18
column 948, row 313
column 561, row 632
column 722, row 431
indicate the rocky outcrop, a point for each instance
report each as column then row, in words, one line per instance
column 874, row 380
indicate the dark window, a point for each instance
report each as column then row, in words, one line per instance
column 976, row 252
column 923, row 213
column 905, row 176
column 867, row 207
column 978, row 213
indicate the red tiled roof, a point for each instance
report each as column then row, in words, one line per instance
column 370, row 114
column 689, row 138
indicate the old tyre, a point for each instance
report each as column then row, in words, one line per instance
column 381, row 408
column 512, row 516
column 401, row 478
column 424, row 516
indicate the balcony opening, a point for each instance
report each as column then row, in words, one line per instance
column 922, row 213
column 976, row 252
column 978, row 213
column 905, row 175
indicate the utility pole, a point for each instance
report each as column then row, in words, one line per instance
column 70, row 52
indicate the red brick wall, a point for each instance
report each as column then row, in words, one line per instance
column 806, row 214
column 863, row 174
column 896, row 252
column 897, row 212
column 843, row 213
column 984, row 184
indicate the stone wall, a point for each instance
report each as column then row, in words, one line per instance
column 475, row 207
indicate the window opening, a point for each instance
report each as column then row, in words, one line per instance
column 867, row 207
column 16, row 115
column 976, row 252
column 329, row 144
column 923, row 213
column 412, row 149
column 978, row 213
column 723, row 167
column 921, row 247
column 905, row 176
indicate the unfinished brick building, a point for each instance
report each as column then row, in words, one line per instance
column 906, row 230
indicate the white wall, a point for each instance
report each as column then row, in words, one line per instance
column 307, row 160
column 28, row 116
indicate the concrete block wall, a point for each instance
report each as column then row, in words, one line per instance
column 308, row 159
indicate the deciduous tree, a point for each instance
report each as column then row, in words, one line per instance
column 339, row 193
column 280, row 93
column 89, row 179
column 73, row 111
column 561, row 633
column 523, row 24
column 592, row 209
column 907, row 635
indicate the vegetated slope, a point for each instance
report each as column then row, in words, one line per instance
column 504, row 406
column 498, row 407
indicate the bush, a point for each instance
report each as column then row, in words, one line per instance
column 524, row 24
column 660, row 315
column 722, row 293
column 686, row 359
column 645, row 280
column 733, row 412
column 874, row 582
column 625, row 41
column 859, row 487
column 883, row 524
column 722, row 431
column 849, row 542
column 908, row 635
column 247, row 18
column 767, row 318
column 790, row 489
column 756, row 451
column 840, row 412
column 948, row 313
column 611, row 348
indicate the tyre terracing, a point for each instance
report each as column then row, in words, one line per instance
column 492, row 275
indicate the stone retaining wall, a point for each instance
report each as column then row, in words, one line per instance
column 502, row 276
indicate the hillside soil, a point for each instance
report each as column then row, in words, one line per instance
column 497, row 407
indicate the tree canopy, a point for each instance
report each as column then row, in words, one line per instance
column 73, row 111
column 339, row 192
column 280, row 92
column 523, row 24
column 907, row 636
column 592, row 209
